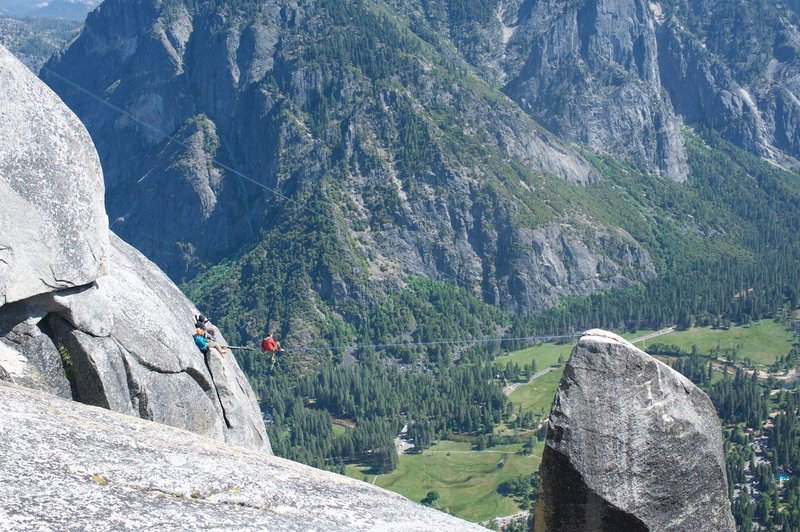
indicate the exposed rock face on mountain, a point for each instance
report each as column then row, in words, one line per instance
column 562, row 264
column 591, row 76
column 701, row 87
column 84, row 315
column 733, row 67
column 616, row 76
column 631, row 445
column 414, row 164
column 621, row 75
column 95, row 469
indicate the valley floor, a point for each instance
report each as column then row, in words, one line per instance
column 467, row 478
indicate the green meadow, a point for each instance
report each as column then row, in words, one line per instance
column 537, row 396
column 761, row 341
column 544, row 354
column 466, row 480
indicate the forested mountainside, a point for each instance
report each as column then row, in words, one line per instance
column 376, row 171
column 73, row 10
column 34, row 40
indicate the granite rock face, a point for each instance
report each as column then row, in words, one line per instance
column 145, row 362
column 562, row 263
column 631, row 445
column 621, row 76
column 83, row 315
column 53, row 225
column 748, row 94
column 70, row 465
column 592, row 77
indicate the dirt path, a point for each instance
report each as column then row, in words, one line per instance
column 428, row 451
column 506, row 519
column 508, row 390
column 720, row 364
column 401, row 443
column 659, row 332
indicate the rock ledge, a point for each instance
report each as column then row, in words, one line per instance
column 69, row 465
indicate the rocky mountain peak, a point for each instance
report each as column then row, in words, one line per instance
column 631, row 445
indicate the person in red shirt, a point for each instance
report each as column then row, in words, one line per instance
column 269, row 345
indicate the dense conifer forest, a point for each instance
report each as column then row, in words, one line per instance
column 762, row 444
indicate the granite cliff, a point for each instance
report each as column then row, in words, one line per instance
column 591, row 76
column 68, row 465
column 631, row 445
column 733, row 67
column 622, row 76
column 83, row 315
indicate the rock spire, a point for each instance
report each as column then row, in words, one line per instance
column 631, row 445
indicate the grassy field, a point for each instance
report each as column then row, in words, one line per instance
column 537, row 396
column 762, row 341
column 465, row 480
column 544, row 354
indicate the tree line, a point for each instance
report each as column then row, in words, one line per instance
column 376, row 400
